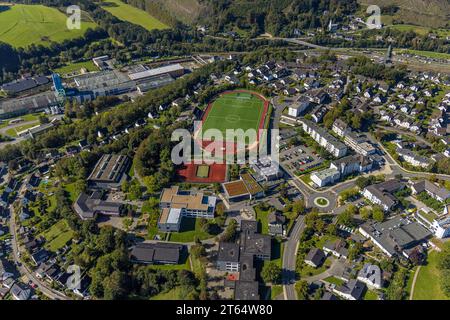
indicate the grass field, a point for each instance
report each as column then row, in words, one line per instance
column 203, row 171
column 75, row 67
column 420, row 29
column 190, row 229
column 427, row 54
column 23, row 25
column 235, row 110
column 57, row 235
column 427, row 284
column 126, row 12
column 12, row 132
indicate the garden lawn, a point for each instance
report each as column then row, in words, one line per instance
column 308, row 271
column 174, row 294
column 262, row 218
column 275, row 291
column 334, row 281
column 370, row 295
column 427, row 284
column 57, row 235
column 190, row 229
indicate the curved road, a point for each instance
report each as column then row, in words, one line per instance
column 23, row 269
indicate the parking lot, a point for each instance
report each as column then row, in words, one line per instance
column 299, row 158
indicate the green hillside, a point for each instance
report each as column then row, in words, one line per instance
column 132, row 14
column 22, row 25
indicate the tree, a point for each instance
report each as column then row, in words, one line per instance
column 354, row 251
column 302, row 290
column 366, row 213
column 43, row 119
column 346, row 217
column 378, row 214
column 298, row 208
column 271, row 273
column 152, row 184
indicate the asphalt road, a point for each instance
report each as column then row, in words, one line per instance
column 24, row 270
column 289, row 259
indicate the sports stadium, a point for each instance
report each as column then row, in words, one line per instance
column 233, row 110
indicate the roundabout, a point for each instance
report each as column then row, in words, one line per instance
column 321, row 202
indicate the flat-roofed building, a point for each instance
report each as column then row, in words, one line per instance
column 324, row 139
column 228, row 257
column 253, row 243
column 246, row 290
column 89, row 205
column 174, row 70
column 34, row 103
column 195, row 205
column 176, row 204
column 395, row 236
column 170, row 220
column 157, row 253
column 325, row 177
column 439, row 225
column 154, row 82
column 109, row 172
column 266, row 168
column 245, row 188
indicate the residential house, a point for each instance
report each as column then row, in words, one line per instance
column 336, row 248
column 352, row 290
column 413, row 158
column 371, row 275
column 434, row 191
column 276, row 224
column 381, row 194
column 315, row 258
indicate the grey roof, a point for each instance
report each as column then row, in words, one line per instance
column 87, row 205
column 316, row 256
column 109, row 168
column 353, row 287
column 275, row 218
column 409, row 153
column 256, row 244
column 249, row 226
column 247, row 272
column 371, row 273
column 383, row 191
column 154, row 253
column 329, row 296
column 228, row 252
column 246, row 290
column 397, row 233
column 324, row 134
column 430, row 187
column 31, row 103
column 20, row 291
column 24, row 84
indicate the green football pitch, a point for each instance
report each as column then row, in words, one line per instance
column 22, row 25
column 236, row 110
